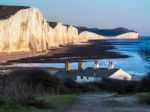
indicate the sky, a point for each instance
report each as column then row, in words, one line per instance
column 103, row 14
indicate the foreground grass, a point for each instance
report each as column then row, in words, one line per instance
column 58, row 101
column 61, row 100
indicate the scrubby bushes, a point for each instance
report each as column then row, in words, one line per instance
column 36, row 81
column 145, row 87
column 121, row 86
column 145, row 98
column 124, row 86
column 21, row 87
column 39, row 80
column 145, row 84
column 38, row 103
column 75, row 87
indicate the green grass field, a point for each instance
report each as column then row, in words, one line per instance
column 58, row 101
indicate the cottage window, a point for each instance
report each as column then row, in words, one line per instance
column 81, row 77
column 87, row 78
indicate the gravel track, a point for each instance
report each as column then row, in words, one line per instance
column 106, row 102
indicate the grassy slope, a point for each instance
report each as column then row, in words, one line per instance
column 61, row 100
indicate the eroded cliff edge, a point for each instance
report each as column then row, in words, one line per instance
column 26, row 29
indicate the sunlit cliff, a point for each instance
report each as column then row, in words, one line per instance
column 26, row 29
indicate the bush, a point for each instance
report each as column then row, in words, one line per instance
column 21, row 87
column 37, row 80
column 145, row 84
column 145, row 98
column 38, row 103
column 14, row 102
column 92, row 87
column 119, row 86
column 73, row 87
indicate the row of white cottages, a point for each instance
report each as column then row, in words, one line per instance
column 91, row 74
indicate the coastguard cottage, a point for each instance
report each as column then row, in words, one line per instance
column 95, row 73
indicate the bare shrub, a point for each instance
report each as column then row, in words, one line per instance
column 145, row 84
column 22, row 88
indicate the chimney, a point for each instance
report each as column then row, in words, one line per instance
column 96, row 65
column 80, row 65
column 67, row 66
column 110, row 65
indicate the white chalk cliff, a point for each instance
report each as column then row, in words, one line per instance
column 130, row 35
column 28, row 30
column 84, row 36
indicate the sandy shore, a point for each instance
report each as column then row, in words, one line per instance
column 83, row 51
column 4, row 57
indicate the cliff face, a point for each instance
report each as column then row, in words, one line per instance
column 25, row 29
column 85, row 36
column 130, row 35
column 60, row 35
column 107, row 32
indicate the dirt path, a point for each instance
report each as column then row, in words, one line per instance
column 106, row 102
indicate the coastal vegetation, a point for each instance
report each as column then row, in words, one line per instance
column 145, row 97
column 40, row 104
column 37, row 90
column 145, row 82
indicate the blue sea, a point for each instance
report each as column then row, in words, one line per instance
column 135, row 64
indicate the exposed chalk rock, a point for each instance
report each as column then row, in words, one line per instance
column 130, row 35
column 85, row 36
column 26, row 29
column 73, row 36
